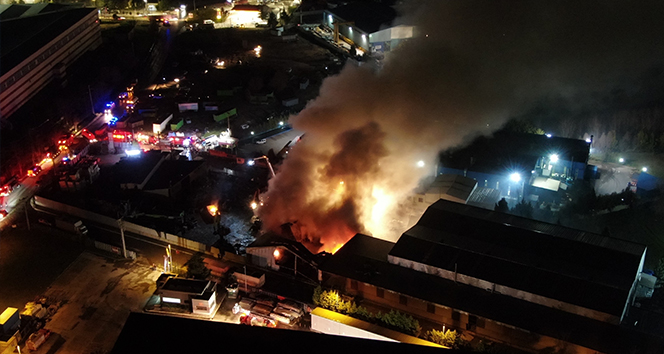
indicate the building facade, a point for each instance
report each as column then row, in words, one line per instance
column 38, row 48
column 531, row 285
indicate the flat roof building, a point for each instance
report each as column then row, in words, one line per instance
column 39, row 43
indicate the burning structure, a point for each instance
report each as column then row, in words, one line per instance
column 373, row 133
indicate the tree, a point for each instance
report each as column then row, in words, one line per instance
column 196, row 267
column 524, row 209
column 522, row 126
column 272, row 21
column 502, row 206
column 448, row 338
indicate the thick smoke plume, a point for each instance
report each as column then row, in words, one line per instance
column 472, row 66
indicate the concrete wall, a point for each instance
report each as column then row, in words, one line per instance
column 128, row 226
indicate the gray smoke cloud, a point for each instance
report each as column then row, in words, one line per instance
column 472, row 66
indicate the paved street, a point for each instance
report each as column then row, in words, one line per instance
column 98, row 294
column 614, row 178
column 30, row 261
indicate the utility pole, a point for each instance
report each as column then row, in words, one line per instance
column 92, row 105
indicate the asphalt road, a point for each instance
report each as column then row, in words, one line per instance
column 30, row 260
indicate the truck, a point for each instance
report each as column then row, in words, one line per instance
column 75, row 226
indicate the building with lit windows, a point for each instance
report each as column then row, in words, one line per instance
column 532, row 285
column 39, row 43
column 201, row 295
column 520, row 165
column 368, row 26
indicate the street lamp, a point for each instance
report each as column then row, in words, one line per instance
column 420, row 163
column 553, row 158
column 515, row 177
column 621, row 160
column 644, row 169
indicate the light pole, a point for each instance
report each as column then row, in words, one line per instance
column 252, row 161
column 122, row 236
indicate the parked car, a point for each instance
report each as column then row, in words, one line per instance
column 261, row 142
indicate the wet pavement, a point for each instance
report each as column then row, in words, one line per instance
column 97, row 294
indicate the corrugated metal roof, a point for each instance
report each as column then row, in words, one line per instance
column 349, row 262
column 585, row 269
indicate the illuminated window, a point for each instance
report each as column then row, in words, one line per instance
column 380, row 293
column 403, row 300
column 171, row 300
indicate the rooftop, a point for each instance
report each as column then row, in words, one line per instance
column 143, row 333
column 576, row 267
column 511, row 151
column 23, row 36
column 456, row 186
column 191, row 286
column 364, row 259
column 136, row 170
column 171, row 172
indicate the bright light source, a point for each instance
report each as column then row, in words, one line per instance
column 420, row 163
column 251, row 162
column 341, row 183
column 133, row 152
column 364, row 36
column 549, row 135
column 553, row 158
column 176, row 80
column 588, row 140
column 276, row 253
column 645, row 169
column 621, row 160
column 212, row 209
column 281, row 123
column 515, row 177
column 254, row 205
column 252, row 133
column 329, row 18
column 171, row 300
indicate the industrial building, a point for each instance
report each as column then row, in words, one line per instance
column 368, row 26
column 201, row 295
column 532, row 285
column 39, row 43
column 521, row 165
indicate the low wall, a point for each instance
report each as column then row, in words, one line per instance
column 128, row 226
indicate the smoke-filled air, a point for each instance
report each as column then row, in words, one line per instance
column 471, row 67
